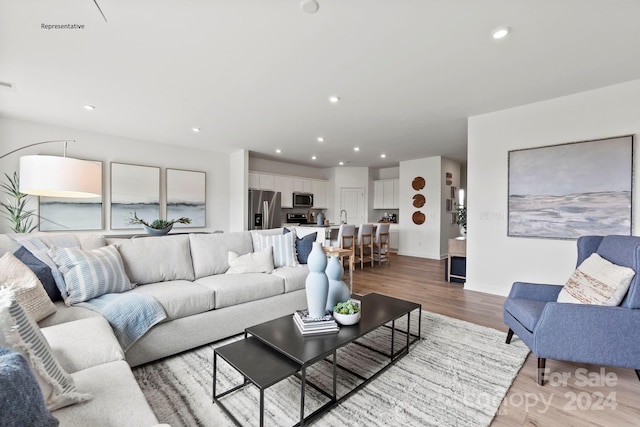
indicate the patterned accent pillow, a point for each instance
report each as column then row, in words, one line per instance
column 284, row 254
column 20, row 333
column 597, row 281
column 90, row 274
column 28, row 289
column 253, row 262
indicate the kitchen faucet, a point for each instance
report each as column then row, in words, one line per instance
column 345, row 216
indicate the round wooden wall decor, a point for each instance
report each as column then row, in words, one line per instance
column 418, row 201
column 418, row 218
column 418, row 183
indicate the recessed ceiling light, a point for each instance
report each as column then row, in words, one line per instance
column 356, row 148
column 309, row 6
column 500, row 32
column 341, row 163
column 313, row 157
column 89, row 107
column 278, row 151
column 383, row 155
column 320, row 139
column 196, row 130
column 334, row 99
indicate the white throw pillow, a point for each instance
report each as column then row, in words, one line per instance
column 20, row 333
column 90, row 274
column 253, row 262
column 597, row 281
column 284, row 250
column 27, row 287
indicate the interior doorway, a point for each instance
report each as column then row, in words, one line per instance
column 352, row 201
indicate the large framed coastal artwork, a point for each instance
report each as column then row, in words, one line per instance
column 186, row 196
column 71, row 214
column 569, row 190
column 136, row 189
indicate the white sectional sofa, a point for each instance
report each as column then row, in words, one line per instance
column 186, row 274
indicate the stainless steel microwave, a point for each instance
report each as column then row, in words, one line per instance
column 302, row 200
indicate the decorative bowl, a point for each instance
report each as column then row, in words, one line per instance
column 347, row 319
column 156, row 231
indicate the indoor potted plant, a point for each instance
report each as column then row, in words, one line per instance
column 347, row 312
column 158, row 226
column 462, row 220
column 15, row 206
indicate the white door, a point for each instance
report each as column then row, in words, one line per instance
column 352, row 200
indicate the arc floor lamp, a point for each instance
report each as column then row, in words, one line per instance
column 57, row 176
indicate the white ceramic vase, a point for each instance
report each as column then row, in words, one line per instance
column 338, row 290
column 317, row 284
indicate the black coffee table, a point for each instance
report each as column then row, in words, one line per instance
column 275, row 350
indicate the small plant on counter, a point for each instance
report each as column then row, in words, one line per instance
column 15, row 206
column 347, row 307
column 158, row 224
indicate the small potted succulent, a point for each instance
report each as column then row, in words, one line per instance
column 347, row 312
column 159, row 226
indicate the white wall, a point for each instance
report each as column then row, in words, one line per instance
column 281, row 168
column 495, row 261
column 420, row 240
column 346, row 177
column 447, row 229
column 239, row 197
column 109, row 148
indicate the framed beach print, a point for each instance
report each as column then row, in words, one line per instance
column 570, row 190
column 72, row 214
column 186, row 196
column 136, row 189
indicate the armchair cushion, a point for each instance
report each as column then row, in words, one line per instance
column 526, row 311
column 597, row 281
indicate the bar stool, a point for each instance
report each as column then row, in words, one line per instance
column 381, row 244
column 346, row 238
column 364, row 244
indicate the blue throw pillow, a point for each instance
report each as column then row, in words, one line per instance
column 21, row 401
column 41, row 270
column 303, row 245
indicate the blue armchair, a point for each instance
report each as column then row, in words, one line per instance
column 582, row 333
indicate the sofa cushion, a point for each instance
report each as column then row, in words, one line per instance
column 303, row 245
column 597, row 281
column 157, row 259
column 21, row 402
column 65, row 314
column 180, row 298
column 294, row 277
column 209, row 251
column 41, row 270
column 284, row 250
column 118, row 400
column 253, row 262
column 90, row 274
column 83, row 343
column 526, row 311
column 255, row 236
column 232, row 289
column 20, row 333
column 28, row 289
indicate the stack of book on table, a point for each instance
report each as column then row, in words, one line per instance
column 314, row 326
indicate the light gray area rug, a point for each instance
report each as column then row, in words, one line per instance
column 456, row 376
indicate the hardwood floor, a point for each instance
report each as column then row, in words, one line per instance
column 588, row 395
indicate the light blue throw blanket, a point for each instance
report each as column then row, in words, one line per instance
column 130, row 315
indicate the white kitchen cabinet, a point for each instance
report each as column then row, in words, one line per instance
column 254, row 181
column 319, row 190
column 284, row 185
column 394, row 238
column 267, row 182
column 385, row 194
column 301, row 185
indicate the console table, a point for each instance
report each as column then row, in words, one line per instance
column 457, row 248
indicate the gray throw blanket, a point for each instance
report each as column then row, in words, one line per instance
column 131, row 315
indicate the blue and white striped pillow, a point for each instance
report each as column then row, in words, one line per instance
column 90, row 274
column 284, row 253
column 19, row 332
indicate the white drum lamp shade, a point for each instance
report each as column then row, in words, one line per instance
column 56, row 176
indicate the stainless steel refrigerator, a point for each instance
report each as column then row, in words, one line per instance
column 264, row 209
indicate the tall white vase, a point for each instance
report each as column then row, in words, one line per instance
column 338, row 290
column 317, row 284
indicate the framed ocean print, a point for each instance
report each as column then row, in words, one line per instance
column 72, row 214
column 569, row 190
column 186, row 196
column 134, row 188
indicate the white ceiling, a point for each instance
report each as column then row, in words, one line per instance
column 256, row 74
